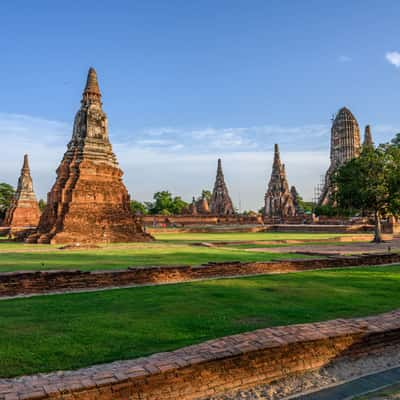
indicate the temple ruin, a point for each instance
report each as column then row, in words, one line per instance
column 296, row 203
column 221, row 203
column 368, row 142
column 345, row 145
column 23, row 212
column 278, row 198
column 89, row 202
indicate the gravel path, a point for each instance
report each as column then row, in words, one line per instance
column 335, row 373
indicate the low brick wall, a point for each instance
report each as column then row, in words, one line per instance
column 31, row 282
column 215, row 366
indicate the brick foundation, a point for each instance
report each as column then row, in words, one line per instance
column 215, row 366
column 31, row 282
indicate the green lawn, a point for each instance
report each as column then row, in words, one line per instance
column 127, row 256
column 169, row 249
column 68, row 331
column 242, row 236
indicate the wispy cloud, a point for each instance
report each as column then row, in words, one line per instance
column 394, row 58
column 179, row 159
column 344, row 59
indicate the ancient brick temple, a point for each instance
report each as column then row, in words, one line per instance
column 89, row 202
column 278, row 198
column 24, row 209
column 221, row 203
column 296, row 197
column 345, row 145
column 192, row 209
column 202, row 205
column 368, row 142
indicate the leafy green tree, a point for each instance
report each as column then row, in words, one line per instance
column 165, row 204
column 6, row 195
column 307, row 206
column 138, row 208
column 205, row 194
column 42, row 205
column 370, row 183
column 396, row 140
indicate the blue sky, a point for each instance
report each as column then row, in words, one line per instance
column 186, row 82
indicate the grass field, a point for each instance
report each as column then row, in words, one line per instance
column 169, row 249
column 74, row 330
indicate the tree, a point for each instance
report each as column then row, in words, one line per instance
column 42, row 205
column 370, row 183
column 165, row 204
column 138, row 208
column 6, row 195
column 205, row 194
column 396, row 140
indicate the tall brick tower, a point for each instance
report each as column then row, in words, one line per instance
column 368, row 142
column 278, row 198
column 221, row 203
column 89, row 203
column 345, row 145
column 24, row 209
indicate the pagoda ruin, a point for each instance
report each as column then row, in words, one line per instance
column 345, row 145
column 89, row 202
column 23, row 212
column 296, row 200
column 278, row 201
column 202, row 205
column 192, row 208
column 368, row 142
column 221, row 203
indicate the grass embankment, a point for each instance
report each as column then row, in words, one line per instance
column 169, row 249
column 47, row 333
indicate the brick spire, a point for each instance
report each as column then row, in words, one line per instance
column 92, row 93
column 24, row 208
column 276, row 166
column 345, row 145
column 368, row 142
column 25, row 185
column 221, row 203
column 278, row 198
column 89, row 202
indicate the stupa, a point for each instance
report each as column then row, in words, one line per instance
column 23, row 212
column 345, row 145
column 221, row 203
column 278, row 198
column 89, row 202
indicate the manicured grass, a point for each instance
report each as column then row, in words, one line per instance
column 169, row 249
column 74, row 330
column 131, row 255
column 241, row 236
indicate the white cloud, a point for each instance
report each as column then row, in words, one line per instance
column 178, row 159
column 394, row 58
